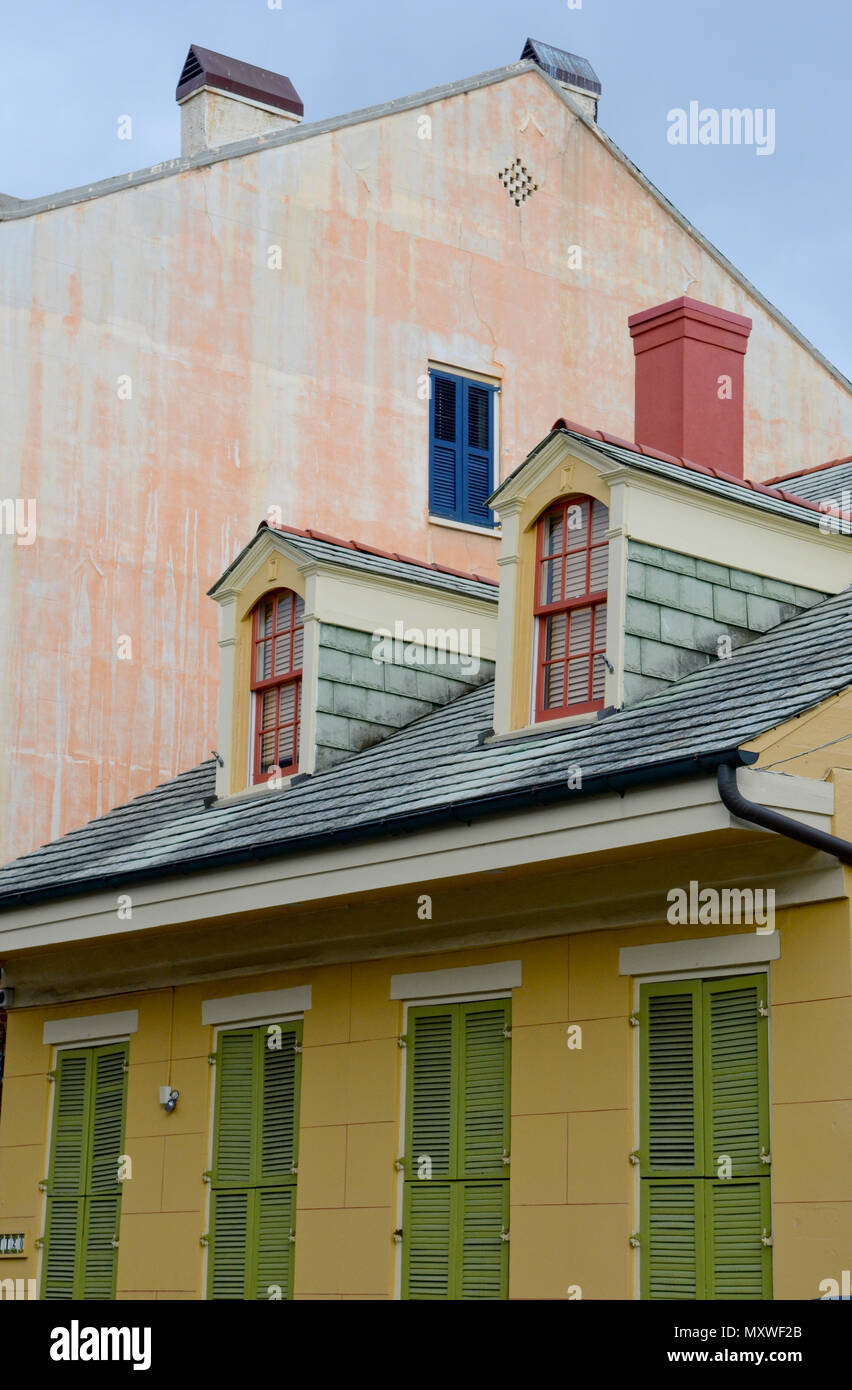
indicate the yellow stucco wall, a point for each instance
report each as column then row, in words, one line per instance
column 572, row 1186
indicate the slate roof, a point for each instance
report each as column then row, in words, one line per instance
column 439, row 768
column 331, row 550
column 826, row 481
column 748, row 492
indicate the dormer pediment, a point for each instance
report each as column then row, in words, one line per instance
column 698, row 562
column 329, row 646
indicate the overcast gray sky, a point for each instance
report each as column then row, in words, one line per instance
column 70, row 68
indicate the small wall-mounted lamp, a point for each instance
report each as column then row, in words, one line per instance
column 168, row 1098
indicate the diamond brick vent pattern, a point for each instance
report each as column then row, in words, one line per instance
column 518, row 181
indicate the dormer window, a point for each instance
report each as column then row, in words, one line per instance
column 570, row 608
column 278, row 644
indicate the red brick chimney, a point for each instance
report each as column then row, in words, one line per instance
column 689, row 382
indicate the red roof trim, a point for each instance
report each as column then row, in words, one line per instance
column 374, row 550
column 693, row 467
column 806, row 472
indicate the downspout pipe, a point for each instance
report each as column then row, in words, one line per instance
column 743, row 809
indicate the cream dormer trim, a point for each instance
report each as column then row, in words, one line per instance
column 335, row 594
column 242, row 590
column 551, row 473
column 643, row 506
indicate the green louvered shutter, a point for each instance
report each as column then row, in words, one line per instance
column 484, row 1258
column 255, row 1152
column 275, row 1222
column 84, row 1203
column 738, row 1216
column 736, row 1076
column 67, row 1173
column 63, row 1238
column 100, row 1252
column 671, row 1138
column 68, row 1159
column 110, row 1066
column 673, row 1255
column 103, row 1203
column 427, row 1223
column 279, row 1135
column 456, row 1198
column 235, row 1107
column 704, row 1101
column 432, row 1106
column 229, row 1238
column 484, row 1087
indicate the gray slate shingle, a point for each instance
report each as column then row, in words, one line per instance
column 440, row 765
column 823, row 484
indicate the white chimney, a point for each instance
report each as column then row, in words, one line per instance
column 222, row 100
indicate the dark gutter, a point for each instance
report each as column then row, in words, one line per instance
column 743, row 809
column 405, row 824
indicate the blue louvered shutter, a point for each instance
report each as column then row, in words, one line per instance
column 478, row 470
column 445, row 446
column 461, row 449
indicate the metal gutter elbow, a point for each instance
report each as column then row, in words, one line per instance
column 743, row 809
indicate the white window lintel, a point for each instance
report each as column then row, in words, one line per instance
column 464, row 981
column 265, row 1004
column 91, row 1026
column 704, row 953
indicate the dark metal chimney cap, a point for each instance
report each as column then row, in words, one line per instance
column 564, row 66
column 204, row 68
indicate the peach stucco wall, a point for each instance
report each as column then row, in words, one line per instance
column 298, row 387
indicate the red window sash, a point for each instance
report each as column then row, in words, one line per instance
column 544, row 611
column 275, row 682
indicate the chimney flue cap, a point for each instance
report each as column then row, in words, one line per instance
column 565, row 67
column 204, row 68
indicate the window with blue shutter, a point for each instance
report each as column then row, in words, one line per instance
column 461, row 448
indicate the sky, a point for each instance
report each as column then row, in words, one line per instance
column 71, row 69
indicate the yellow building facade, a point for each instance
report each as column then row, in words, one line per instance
column 493, row 1006
column 574, row 1119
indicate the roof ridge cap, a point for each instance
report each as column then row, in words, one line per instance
column 363, row 547
column 648, row 451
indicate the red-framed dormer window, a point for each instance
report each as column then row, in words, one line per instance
column 277, row 647
column 570, row 607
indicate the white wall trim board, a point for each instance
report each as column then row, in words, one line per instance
column 67, row 1030
column 265, row 1004
column 746, row 948
column 470, row 979
column 528, row 838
